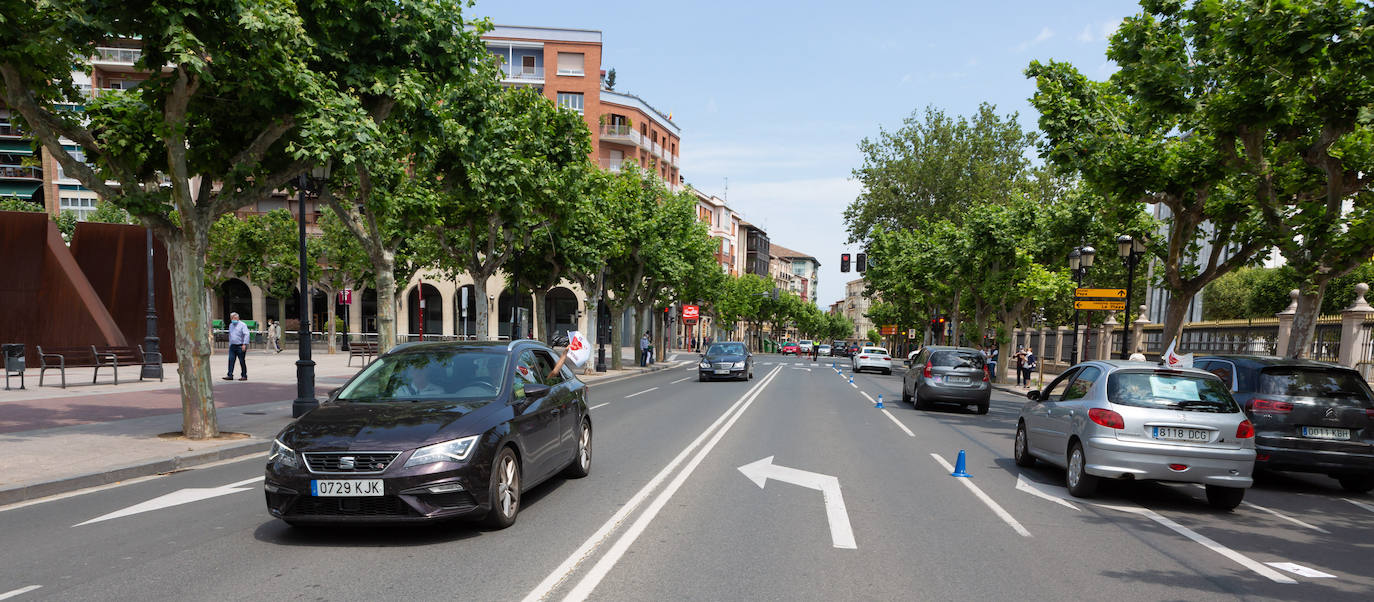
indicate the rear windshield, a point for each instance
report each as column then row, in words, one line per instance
column 1335, row 387
column 957, row 359
column 1175, row 391
column 875, row 350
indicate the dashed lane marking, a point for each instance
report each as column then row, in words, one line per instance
column 680, row 380
column 17, row 592
column 641, row 392
column 898, row 423
column 599, row 405
column 996, row 508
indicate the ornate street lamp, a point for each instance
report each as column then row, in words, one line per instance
column 150, row 339
column 1080, row 259
column 305, row 367
column 1130, row 251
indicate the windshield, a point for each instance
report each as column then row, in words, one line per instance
column 1170, row 391
column 726, row 349
column 447, row 375
column 1342, row 388
column 957, row 359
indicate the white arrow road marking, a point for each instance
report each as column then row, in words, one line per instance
column 996, row 508
column 23, row 590
column 841, row 534
column 1300, row 570
column 1360, row 504
column 1286, row 517
column 176, row 498
column 1041, row 491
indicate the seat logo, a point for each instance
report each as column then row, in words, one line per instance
column 346, row 463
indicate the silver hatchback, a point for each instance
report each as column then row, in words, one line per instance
column 1125, row 420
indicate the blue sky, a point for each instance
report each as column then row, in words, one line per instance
column 775, row 96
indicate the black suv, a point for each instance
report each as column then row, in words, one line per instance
column 1309, row 416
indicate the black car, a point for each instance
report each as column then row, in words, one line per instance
column 840, row 349
column 728, row 359
column 947, row 374
column 433, row 431
column 1309, row 416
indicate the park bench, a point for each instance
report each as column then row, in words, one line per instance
column 87, row 356
column 114, row 357
column 366, row 351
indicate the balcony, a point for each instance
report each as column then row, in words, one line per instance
column 657, row 150
column 675, row 161
column 9, row 130
column 622, row 134
column 610, row 165
column 21, row 172
column 122, row 56
column 522, row 74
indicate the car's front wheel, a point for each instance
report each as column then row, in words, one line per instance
column 1224, row 498
column 1080, row 483
column 505, row 490
column 1021, row 452
column 582, row 464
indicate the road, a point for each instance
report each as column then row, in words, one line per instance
column 668, row 514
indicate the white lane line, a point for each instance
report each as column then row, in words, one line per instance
column 1300, row 570
column 599, row 405
column 996, row 508
column 570, row 564
column 584, row 588
column 1206, row 542
column 854, row 385
column 641, row 392
column 1287, row 518
column 865, row 394
column 680, row 380
column 899, row 424
column 23, row 590
column 1360, row 504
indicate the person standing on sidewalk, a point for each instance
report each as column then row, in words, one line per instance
column 238, row 347
column 1029, row 365
column 644, row 349
column 1021, row 364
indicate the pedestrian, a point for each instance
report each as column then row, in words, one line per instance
column 238, row 347
column 992, row 364
column 272, row 335
column 276, row 334
column 644, row 349
column 1138, row 355
column 1030, row 365
column 1020, row 364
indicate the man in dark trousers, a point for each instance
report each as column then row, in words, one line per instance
column 238, row 347
column 644, row 350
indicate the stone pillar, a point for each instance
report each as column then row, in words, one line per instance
column 1040, row 351
column 259, row 305
column 1059, row 357
column 355, row 314
column 403, row 312
column 1138, row 332
column 447, row 294
column 1105, row 346
column 1286, row 324
column 1354, row 336
column 1082, row 337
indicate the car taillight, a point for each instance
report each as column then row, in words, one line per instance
column 1265, row 406
column 1369, row 414
column 926, row 372
column 1107, row 418
column 863, row 357
column 1178, row 467
column 985, row 374
column 1245, row 430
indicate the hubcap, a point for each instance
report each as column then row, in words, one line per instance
column 585, row 447
column 1075, row 467
column 1020, row 443
column 508, row 489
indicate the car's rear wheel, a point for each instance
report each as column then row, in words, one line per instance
column 505, row 490
column 982, row 408
column 1079, row 482
column 1357, row 484
column 1021, row 452
column 906, row 397
column 582, row 464
column 918, row 402
column 1224, row 498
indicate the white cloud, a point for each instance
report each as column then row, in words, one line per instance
column 1087, row 35
column 1045, row 34
column 1109, row 28
column 1103, row 31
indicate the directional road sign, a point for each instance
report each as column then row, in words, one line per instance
column 1110, row 293
column 1107, row 305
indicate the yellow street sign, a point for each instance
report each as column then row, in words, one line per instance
column 1106, row 305
column 1111, row 293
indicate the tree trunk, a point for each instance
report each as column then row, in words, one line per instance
column 615, row 311
column 1174, row 312
column 329, row 312
column 479, row 290
column 593, row 310
column 281, row 309
column 186, row 264
column 641, row 326
column 1305, row 320
column 385, row 266
column 541, row 333
column 954, row 319
column 1006, row 354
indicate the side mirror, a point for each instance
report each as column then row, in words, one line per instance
column 1033, row 395
column 535, row 391
column 334, row 393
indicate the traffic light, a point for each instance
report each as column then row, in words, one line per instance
column 844, row 262
column 861, row 263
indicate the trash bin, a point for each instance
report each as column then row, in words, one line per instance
column 13, row 353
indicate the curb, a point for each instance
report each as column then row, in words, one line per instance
column 34, row 490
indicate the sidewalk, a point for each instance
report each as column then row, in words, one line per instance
column 55, row 440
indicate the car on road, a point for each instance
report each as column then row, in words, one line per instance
column 727, row 359
column 871, row 358
column 949, row 375
column 805, row 346
column 839, row 349
column 790, row 349
column 823, row 350
column 1309, row 416
column 1133, row 421
column 432, row 431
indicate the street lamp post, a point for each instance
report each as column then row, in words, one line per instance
column 1130, row 251
column 1080, row 259
column 150, row 339
column 600, row 342
column 305, row 367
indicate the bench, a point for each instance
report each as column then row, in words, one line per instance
column 87, row 356
column 366, row 351
column 114, row 357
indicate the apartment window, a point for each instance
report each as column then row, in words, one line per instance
column 617, row 157
column 570, row 100
column 643, row 130
column 570, row 63
column 81, row 206
column 527, row 65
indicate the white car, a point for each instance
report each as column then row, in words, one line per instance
column 805, row 346
column 871, row 358
column 823, row 350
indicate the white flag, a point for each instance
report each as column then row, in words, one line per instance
column 1174, row 360
column 579, row 349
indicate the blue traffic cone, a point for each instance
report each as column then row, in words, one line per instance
column 880, row 402
column 959, row 467
column 851, row 380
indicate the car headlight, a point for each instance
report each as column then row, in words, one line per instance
column 448, row 451
column 282, row 454
column 705, row 364
column 739, row 365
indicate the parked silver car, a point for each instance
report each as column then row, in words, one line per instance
column 1133, row 421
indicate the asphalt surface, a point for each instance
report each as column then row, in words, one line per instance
column 667, row 514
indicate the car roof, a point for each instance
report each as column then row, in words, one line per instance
column 1265, row 361
column 458, row 346
column 951, row 348
column 1114, row 365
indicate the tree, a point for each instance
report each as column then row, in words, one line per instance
column 343, row 264
column 264, row 248
column 610, row 80
column 634, row 196
column 241, row 98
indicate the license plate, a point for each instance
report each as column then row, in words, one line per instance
column 722, row 371
column 1173, row 433
column 1322, row 432
column 957, row 380
column 346, row 488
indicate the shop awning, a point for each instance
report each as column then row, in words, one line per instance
column 23, row 190
column 15, row 147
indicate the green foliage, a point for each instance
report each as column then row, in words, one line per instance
column 264, row 248
column 109, row 213
column 14, row 203
column 874, row 336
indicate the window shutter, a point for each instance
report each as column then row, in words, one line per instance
column 570, row 63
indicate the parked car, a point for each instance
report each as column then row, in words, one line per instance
column 1309, row 416
column 433, row 431
column 805, row 346
column 790, row 349
column 949, row 375
column 729, row 359
column 1133, row 421
column 871, row 358
column 823, row 350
